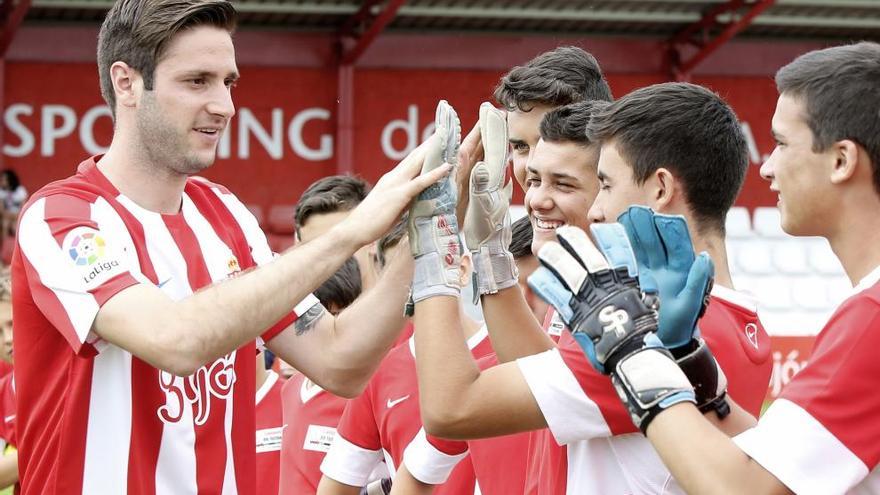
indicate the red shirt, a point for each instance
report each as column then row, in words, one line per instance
column 500, row 463
column 269, row 427
column 385, row 419
column 603, row 452
column 822, row 435
column 93, row 418
column 310, row 419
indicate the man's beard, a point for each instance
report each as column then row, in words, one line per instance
column 162, row 144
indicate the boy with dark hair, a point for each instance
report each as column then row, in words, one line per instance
column 821, row 435
column 143, row 290
column 556, row 78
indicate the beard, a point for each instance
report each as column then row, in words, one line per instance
column 163, row 144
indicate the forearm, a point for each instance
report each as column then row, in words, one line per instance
column 703, row 459
column 446, row 369
column 365, row 331
column 181, row 336
column 406, row 484
column 514, row 331
column 329, row 486
column 8, row 470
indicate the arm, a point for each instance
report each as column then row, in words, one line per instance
column 329, row 486
column 9, row 469
column 181, row 336
column 341, row 354
column 514, row 331
column 457, row 401
column 711, row 463
column 406, row 484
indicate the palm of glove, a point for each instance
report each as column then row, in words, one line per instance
column 490, row 190
column 669, row 268
column 434, row 208
column 597, row 294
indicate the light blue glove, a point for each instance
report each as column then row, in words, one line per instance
column 668, row 267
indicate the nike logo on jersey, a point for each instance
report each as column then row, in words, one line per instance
column 752, row 334
column 392, row 403
column 165, row 282
column 7, row 419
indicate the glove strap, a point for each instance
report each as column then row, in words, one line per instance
column 709, row 381
column 649, row 381
column 494, row 270
column 438, row 257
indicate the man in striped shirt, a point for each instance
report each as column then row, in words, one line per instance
column 140, row 291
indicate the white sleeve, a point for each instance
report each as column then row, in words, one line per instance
column 349, row 464
column 571, row 415
column 427, row 463
column 800, row 452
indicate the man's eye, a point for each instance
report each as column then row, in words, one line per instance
column 521, row 147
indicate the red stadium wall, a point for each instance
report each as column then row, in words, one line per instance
column 281, row 140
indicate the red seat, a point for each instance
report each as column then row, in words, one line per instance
column 281, row 219
column 257, row 212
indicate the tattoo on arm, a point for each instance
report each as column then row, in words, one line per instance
column 308, row 319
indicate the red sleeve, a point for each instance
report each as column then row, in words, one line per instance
column 71, row 265
column 838, row 387
column 358, row 423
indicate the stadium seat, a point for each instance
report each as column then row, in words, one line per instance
column 738, row 223
column 797, row 280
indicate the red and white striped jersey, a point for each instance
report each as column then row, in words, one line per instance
column 603, row 451
column 311, row 416
column 822, row 434
column 269, row 428
column 92, row 417
column 382, row 421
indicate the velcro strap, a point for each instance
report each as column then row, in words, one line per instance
column 648, row 381
column 494, row 270
column 433, row 276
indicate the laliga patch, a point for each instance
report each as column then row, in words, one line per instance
column 269, row 439
column 319, row 438
column 94, row 258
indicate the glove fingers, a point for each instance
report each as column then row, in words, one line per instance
column 578, row 243
column 639, row 224
column 566, row 268
column 615, row 245
column 699, row 276
column 675, row 236
column 548, row 287
column 444, row 149
column 493, row 134
column 480, row 178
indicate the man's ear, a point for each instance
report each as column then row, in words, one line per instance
column 847, row 157
column 662, row 188
column 127, row 84
column 466, row 269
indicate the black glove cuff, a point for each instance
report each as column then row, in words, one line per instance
column 709, row 381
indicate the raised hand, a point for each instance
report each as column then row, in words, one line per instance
column 432, row 226
column 487, row 221
column 609, row 316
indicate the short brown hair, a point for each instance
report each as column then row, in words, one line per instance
column 569, row 123
column 838, row 87
column 689, row 130
column 565, row 75
column 329, row 195
column 137, row 32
